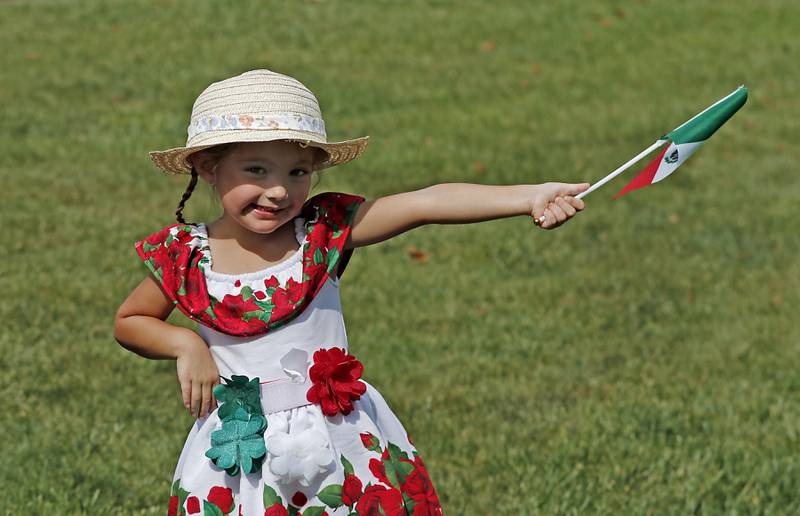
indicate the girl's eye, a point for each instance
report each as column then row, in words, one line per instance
column 255, row 170
column 302, row 172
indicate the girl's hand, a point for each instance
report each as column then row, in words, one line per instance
column 197, row 374
column 552, row 204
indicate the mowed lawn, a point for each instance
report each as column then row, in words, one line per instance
column 642, row 359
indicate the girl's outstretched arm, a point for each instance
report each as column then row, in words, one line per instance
column 379, row 219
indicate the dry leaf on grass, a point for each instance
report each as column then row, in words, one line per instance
column 417, row 254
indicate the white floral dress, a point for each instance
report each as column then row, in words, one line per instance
column 268, row 449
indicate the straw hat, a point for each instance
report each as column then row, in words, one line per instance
column 257, row 106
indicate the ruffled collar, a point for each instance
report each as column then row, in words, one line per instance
column 179, row 257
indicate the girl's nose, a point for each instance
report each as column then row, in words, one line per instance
column 277, row 193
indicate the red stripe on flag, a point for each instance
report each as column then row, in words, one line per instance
column 645, row 177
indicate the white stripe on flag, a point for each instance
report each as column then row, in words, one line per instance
column 673, row 158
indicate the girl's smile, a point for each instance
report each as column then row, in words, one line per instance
column 265, row 211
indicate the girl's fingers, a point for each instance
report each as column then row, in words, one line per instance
column 558, row 212
column 205, row 406
column 186, row 393
column 213, row 402
column 197, row 396
column 578, row 204
column 549, row 219
column 538, row 209
column 564, row 205
column 214, row 398
column 574, row 189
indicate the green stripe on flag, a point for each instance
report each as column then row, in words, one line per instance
column 702, row 126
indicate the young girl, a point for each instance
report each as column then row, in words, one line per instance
column 286, row 423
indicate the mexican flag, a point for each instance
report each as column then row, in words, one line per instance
column 686, row 138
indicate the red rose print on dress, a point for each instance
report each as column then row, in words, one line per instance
column 195, row 291
column 351, row 490
column 229, row 310
column 378, row 469
column 335, row 375
column 293, row 293
column 164, row 265
column 378, row 499
column 420, row 489
column 173, row 506
column 222, row 497
column 370, row 442
column 192, row 505
column 420, row 466
column 285, row 299
column 276, row 510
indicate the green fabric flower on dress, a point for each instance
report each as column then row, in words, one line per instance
column 239, row 391
column 239, row 444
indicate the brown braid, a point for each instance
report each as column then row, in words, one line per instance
column 217, row 151
column 186, row 195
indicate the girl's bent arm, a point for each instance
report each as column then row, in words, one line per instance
column 139, row 325
column 460, row 203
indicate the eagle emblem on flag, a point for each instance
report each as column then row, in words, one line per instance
column 673, row 157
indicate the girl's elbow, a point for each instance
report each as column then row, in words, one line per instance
column 121, row 330
column 420, row 207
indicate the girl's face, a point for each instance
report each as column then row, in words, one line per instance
column 262, row 185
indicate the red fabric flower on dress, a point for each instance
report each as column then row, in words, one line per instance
column 335, row 375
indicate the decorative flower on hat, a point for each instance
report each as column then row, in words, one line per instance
column 335, row 375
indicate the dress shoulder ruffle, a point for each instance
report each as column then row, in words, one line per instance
column 178, row 256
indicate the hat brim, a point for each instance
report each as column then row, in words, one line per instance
column 174, row 161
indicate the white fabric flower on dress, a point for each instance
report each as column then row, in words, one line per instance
column 295, row 364
column 302, row 452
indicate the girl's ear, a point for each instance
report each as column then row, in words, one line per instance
column 204, row 165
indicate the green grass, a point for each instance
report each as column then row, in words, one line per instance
column 639, row 360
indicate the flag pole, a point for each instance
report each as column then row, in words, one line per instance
column 621, row 169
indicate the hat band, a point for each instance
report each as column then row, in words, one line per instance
column 291, row 121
